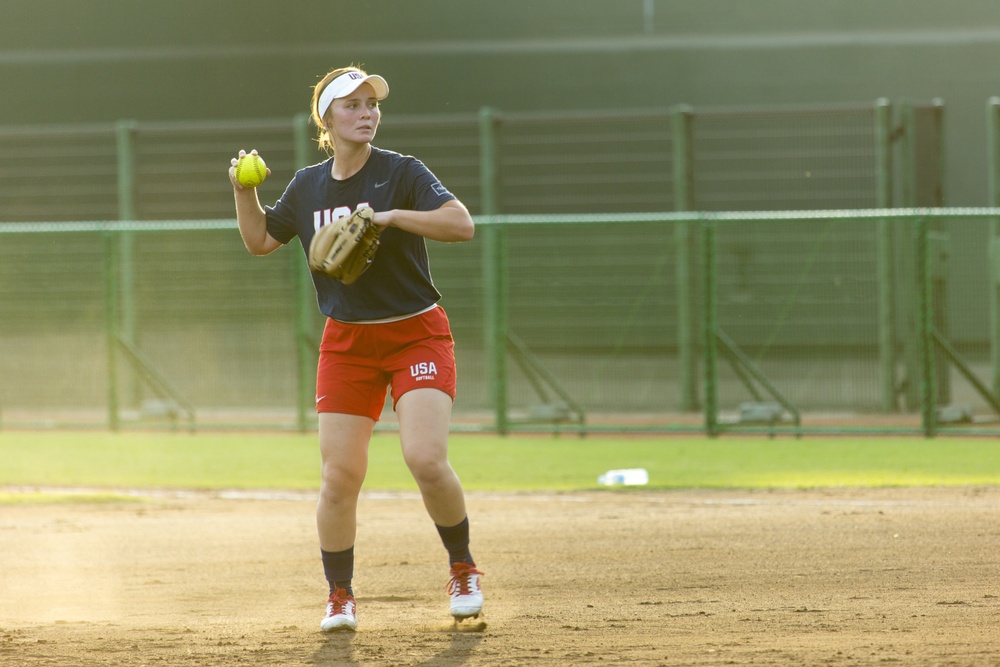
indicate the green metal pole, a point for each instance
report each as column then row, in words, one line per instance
column 710, row 328
column 111, row 323
column 494, row 272
column 125, row 133
column 128, row 331
column 908, row 154
column 939, row 240
column 884, row 251
column 993, row 146
column 937, row 107
column 907, row 295
column 305, row 346
column 683, row 175
column 928, row 374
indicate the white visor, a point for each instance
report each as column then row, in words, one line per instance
column 345, row 84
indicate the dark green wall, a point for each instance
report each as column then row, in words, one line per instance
column 63, row 61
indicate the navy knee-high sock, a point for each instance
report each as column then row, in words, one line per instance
column 456, row 541
column 338, row 566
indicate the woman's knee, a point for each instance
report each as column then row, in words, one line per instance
column 344, row 453
column 339, row 484
column 429, row 469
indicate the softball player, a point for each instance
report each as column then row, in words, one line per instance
column 385, row 330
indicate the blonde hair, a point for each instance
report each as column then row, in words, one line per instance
column 324, row 140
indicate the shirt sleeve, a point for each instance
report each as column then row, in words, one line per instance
column 428, row 192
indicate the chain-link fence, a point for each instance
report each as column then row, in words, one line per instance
column 601, row 320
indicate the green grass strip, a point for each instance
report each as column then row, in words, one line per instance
column 485, row 462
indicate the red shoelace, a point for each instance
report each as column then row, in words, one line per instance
column 459, row 582
column 339, row 599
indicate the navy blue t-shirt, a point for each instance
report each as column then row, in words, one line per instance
column 399, row 280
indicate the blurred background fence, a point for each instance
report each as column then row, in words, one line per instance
column 609, row 277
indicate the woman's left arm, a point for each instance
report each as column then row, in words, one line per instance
column 449, row 223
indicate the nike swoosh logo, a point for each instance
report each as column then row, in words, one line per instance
column 319, row 398
column 379, row 185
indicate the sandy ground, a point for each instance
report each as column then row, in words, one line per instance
column 831, row 577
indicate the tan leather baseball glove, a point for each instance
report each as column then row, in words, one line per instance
column 345, row 248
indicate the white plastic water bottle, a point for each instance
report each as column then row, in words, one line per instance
column 625, row 477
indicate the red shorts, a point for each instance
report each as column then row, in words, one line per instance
column 358, row 362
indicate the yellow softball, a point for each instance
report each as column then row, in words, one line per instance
column 251, row 170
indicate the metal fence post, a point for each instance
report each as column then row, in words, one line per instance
column 993, row 147
column 125, row 144
column 907, row 295
column 884, row 250
column 939, row 241
column 683, row 176
column 710, row 327
column 925, row 328
column 494, row 272
column 111, row 324
column 128, row 325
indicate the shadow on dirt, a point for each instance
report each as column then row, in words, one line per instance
column 339, row 650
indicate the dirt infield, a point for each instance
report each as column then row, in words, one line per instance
column 840, row 577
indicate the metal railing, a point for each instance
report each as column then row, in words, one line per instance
column 698, row 307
